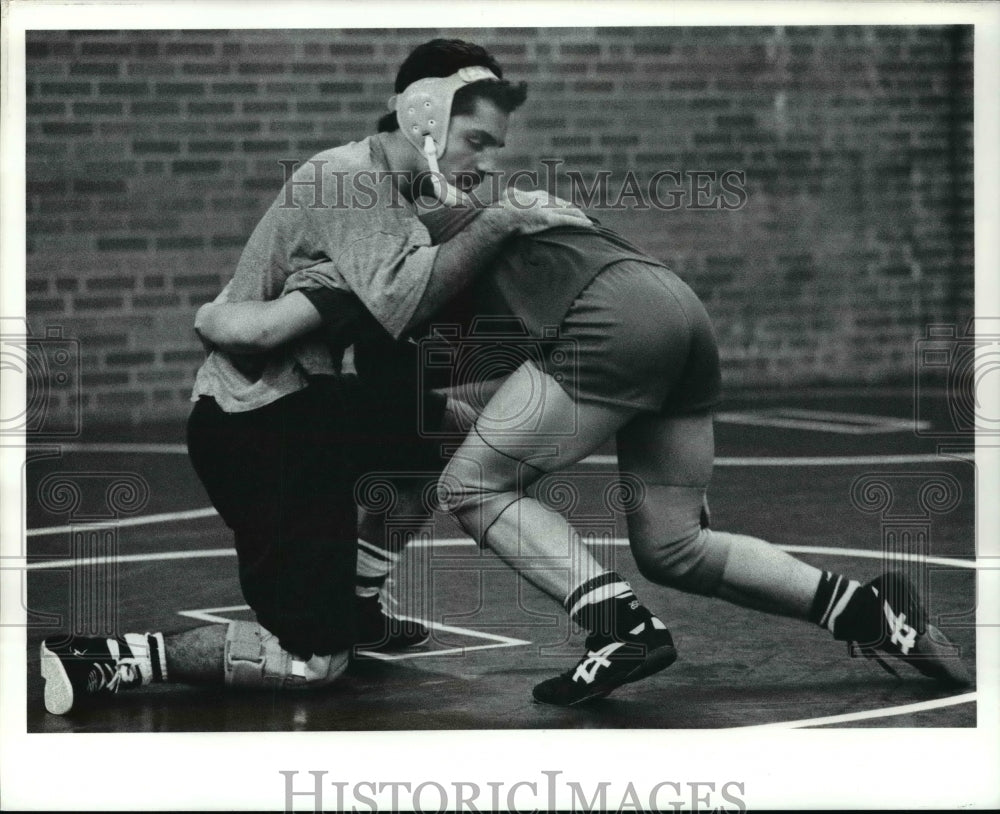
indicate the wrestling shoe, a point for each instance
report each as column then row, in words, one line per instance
column 75, row 668
column 888, row 616
column 381, row 631
column 609, row 663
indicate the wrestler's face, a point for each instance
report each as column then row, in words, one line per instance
column 474, row 144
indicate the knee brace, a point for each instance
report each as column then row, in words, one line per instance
column 693, row 563
column 254, row 659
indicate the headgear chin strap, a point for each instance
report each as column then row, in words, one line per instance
column 423, row 110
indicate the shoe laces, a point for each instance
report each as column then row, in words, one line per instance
column 106, row 677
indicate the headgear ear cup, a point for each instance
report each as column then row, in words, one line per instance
column 424, row 109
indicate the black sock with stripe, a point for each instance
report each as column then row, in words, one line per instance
column 835, row 595
column 607, row 607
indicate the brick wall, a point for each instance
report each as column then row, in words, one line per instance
column 151, row 155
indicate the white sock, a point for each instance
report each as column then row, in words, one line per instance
column 150, row 654
column 374, row 565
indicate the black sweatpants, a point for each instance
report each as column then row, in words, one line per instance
column 282, row 478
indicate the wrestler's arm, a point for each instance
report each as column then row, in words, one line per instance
column 259, row 326
column 256, row 327
column 472, row 240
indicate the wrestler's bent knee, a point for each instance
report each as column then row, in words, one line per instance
column 693, row 563
column 463, row 488
column 475, row 501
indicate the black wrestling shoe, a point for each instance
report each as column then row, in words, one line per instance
column 890, row 612
column 608, row 664
column 380, row 631
column 76, row 668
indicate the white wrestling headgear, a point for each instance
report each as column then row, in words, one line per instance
column 423, row 110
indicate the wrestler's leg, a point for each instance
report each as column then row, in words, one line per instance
column 672, row 458
column 529, row 427
column 673, row 546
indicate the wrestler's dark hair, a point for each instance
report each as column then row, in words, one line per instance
column 505, row 95
column 441, row 57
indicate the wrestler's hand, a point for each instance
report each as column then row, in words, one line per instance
column 536, row 210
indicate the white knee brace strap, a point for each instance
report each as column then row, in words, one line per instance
column 254, row 659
